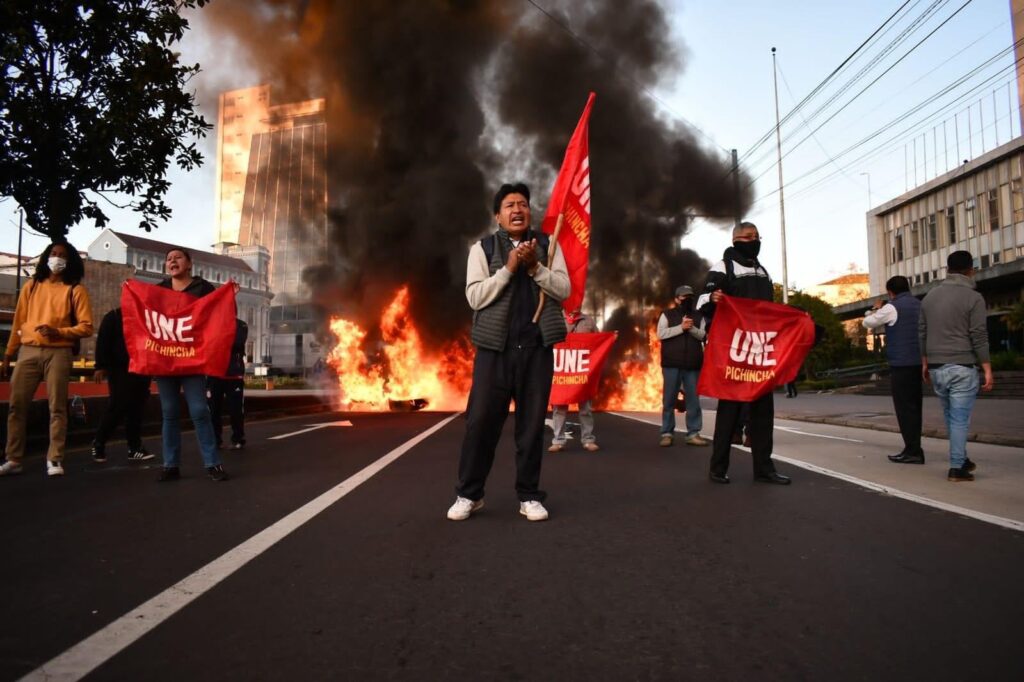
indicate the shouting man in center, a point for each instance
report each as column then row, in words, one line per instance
column 505, row 277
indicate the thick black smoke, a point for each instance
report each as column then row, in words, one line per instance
column 434, row 103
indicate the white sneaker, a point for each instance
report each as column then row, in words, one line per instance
column 533, row 510
column 54, row 469
column 10, row 468
column 463, row 508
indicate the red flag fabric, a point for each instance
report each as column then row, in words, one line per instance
column 578, row 364
column 753, row 346
column 171, row 333
column 570, row 197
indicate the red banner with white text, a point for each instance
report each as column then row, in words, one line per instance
column 171, row 333
column 753, row 346
column 578, row 364
column 570, row 198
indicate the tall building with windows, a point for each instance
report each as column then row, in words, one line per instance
column 978, row 207
column 272, row 192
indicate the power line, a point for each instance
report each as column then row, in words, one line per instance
column 865, row 88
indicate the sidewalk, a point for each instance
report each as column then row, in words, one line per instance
column 995, row 421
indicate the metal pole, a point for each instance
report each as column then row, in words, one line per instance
column 17, row 282
column 782, row 200
column 736, row 185
column 870, row 204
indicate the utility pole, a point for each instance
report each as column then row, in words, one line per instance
column 17, row 281
column 782, row 200
column 736, row 186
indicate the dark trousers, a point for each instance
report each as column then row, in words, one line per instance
column 229, row 393
column 520, row 374
column 762, row 422
column 128, row 395
column 906, row 399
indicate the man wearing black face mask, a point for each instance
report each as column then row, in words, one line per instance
column 740, row 274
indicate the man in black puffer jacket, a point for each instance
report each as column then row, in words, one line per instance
column 740, row 274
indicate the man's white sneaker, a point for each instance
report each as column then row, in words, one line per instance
column 10, row 468
column 54, row 469
column 533, row 510
column 463, row 508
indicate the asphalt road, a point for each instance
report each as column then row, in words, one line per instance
column 646, row 571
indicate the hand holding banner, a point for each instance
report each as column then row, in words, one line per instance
column 170, row 333
column 578, row 364
column 753, row 347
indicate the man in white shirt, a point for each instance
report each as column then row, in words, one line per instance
column 898, row 318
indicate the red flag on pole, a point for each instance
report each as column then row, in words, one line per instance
column 568, row 213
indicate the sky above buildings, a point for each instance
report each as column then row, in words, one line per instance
column 862, row 129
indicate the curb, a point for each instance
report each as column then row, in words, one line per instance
column 988, row 438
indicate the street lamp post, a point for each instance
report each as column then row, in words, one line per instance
column 870, row 203
column 782, row 200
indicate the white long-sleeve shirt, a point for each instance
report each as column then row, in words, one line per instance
column 884, row 316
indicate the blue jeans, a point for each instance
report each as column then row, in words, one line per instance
column 673, row 379
column 194, row 387
column 957, row 388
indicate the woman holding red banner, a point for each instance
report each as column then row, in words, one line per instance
column 178, row 265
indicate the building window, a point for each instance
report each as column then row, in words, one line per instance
column 951, row 225
column 969, row 213
column 927, row 277
column 984, row 261
column 933, row 234
column 917, row 279
column 996, row 257
column 993, row 209
column 1017, row 195
column 898, row 255
column 915, row 239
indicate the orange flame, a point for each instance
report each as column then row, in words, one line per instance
column 404, row 371
column 641, row 382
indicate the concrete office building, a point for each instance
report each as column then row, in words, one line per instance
column 978, row 207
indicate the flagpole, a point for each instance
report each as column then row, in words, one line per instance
column 782, row 201
column 552, row 247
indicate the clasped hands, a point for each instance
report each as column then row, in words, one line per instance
column 524, row 255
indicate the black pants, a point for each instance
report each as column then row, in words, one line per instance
column 229, row 392
column 520, row 374
column 762, row 423
column 906, row 399
column 128, row 395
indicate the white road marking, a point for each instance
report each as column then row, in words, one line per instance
column 816, row 435
column 311, row 428
column 98, row 648
column 1012, row 524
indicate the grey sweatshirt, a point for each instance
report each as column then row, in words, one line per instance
column 952, row 324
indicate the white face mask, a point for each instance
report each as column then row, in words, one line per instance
column 56, row 264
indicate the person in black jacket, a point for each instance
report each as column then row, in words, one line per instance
column 681, row 331
column 128, row 391
column 230, row 389
column 740, row 274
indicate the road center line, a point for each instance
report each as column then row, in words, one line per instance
column 816, row 435
column 314, row 427
column 1012, row 524
column 98, row 648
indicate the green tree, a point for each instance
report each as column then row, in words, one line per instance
column 1015, row 317
column 834, row 348
column 93, row 107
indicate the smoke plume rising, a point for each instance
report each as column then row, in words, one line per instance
column 432, row 104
